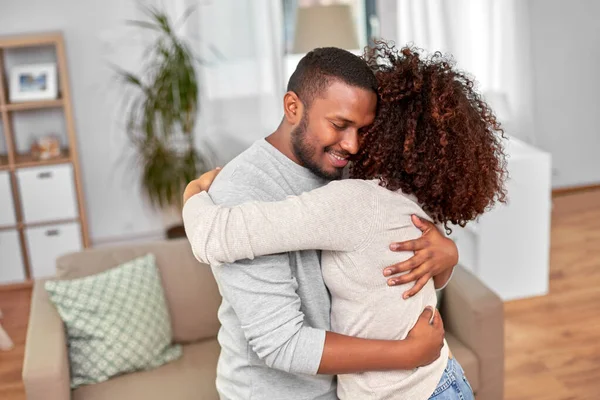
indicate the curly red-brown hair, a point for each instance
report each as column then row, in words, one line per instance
column 433, row 137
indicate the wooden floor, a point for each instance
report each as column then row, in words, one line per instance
column 15, row 307
column 552, row 342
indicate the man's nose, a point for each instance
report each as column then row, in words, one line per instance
column 350, row 142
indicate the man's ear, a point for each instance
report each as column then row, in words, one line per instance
column 292, row 108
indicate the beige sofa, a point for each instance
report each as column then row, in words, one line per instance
column 473, row 318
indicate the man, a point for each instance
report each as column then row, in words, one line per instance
column 275, row 336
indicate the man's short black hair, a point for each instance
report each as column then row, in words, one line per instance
column 317, row 70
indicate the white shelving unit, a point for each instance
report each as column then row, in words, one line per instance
column 42, row 212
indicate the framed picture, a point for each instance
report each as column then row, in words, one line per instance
column 33, row 82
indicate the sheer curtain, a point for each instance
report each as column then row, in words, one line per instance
column 489, row 39
column 240, row 44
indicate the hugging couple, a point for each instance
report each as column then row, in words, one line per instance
column 329, row 281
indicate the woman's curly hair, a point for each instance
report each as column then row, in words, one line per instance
column 433, row 137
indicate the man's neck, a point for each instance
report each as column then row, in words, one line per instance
column 281, row 139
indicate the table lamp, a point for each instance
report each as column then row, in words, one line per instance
column 325, row 26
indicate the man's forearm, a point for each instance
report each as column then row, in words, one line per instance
column 345, row 355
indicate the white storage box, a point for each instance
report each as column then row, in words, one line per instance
column 12, row 269
column 46, row 243
column 7, row 206
column 47, row 193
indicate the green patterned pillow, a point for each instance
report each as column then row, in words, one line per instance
column 116, row 321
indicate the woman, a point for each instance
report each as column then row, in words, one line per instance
column 433, row 151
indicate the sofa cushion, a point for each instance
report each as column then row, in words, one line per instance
column 116, row 321
column 190, row 289
column 466, row 358
column 191, row 377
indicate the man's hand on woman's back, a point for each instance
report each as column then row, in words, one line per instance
column 434, row 256
column 426, row 338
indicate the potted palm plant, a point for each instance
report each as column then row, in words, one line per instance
column 161, row 109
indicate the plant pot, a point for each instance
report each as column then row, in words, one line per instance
column 176, row 232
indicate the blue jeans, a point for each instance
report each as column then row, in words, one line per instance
column 454, row 384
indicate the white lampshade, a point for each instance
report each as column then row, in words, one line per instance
column 325, row 26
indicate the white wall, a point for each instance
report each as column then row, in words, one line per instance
column 566, row 54
column 94, row 35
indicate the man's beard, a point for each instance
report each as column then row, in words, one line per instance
column 306, row 154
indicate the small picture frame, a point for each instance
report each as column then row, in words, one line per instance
column 33, row 82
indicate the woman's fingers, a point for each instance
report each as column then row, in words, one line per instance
column 418, row 286
column 414, row 262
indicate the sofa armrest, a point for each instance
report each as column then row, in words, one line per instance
column 475, row 316
column 46, row 362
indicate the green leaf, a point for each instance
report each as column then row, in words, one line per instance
column 143, row 24
column 186, row 15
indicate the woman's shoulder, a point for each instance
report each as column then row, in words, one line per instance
column 371, row 191
column 354, row 184
column 409, row 204
column 351, row 194
column 397, row 201
column 370, row 188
